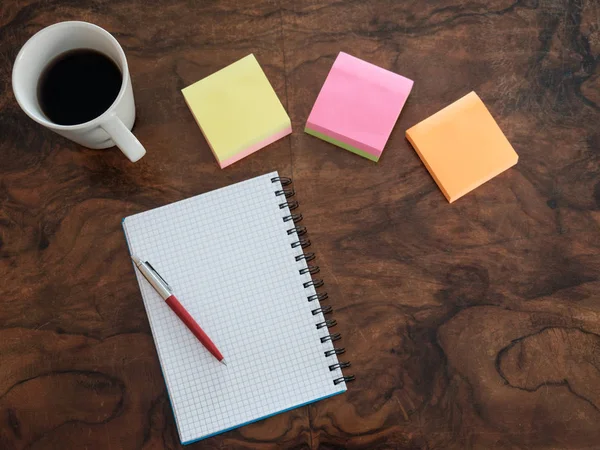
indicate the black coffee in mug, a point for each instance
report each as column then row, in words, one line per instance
column 78, row 86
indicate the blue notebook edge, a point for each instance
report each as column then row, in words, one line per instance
column 262, row 418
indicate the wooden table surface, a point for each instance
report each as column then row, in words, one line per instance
column 469, row 325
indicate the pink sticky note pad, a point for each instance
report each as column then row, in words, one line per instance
column 358, row 106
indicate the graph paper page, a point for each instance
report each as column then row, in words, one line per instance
column 228, row 257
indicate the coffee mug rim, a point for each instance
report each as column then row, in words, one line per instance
column 96, row 120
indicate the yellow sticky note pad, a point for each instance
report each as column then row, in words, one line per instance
column 237, row 110
column 462, row 146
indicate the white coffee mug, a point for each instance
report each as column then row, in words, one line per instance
column 110, row 128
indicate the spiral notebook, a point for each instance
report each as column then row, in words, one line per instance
column 235, row 259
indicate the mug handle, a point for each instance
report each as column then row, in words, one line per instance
column 123, row 138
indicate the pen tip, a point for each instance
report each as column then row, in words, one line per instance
column 223, row 361
column 136, row 260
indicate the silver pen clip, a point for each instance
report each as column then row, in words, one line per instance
column 158, row 275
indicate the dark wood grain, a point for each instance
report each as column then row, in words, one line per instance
column 471, row 325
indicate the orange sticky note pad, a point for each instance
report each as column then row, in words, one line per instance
column 462, row 146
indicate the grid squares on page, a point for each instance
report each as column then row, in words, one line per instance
column 229, row 259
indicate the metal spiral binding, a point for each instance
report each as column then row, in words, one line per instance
column 295, row 217
column 302, row 243
column 300, row 231
column 342, row 365
column 292, row 205
column 320, row 296
column 335, row 351
column 343, row 379
column 323, row 310
column 328, row 323
column 287, row 192
column 331, row 337
column 305, row 256
column 315, row 283
column 285, row 181
column 309, row 269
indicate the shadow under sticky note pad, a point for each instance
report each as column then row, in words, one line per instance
column 237, row 110
column 462, row 146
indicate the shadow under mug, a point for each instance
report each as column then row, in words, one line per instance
column 107, row 130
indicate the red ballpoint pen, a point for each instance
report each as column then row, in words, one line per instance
column 164, row 290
